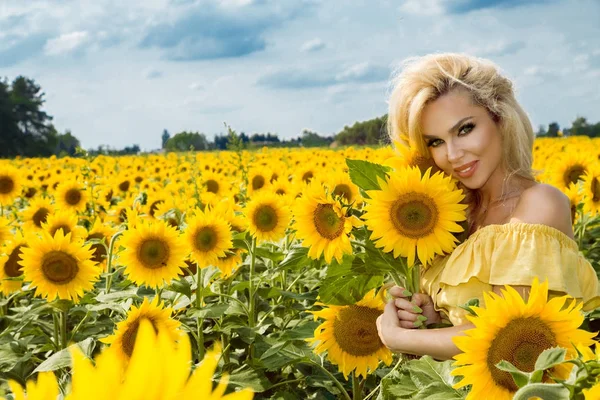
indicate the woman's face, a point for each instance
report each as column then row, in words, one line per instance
column 462, row 138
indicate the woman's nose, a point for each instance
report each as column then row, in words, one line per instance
column 455, row 153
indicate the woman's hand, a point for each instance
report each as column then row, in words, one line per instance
column 412, row 314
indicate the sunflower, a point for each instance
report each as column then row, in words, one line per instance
column 37, row 213
column 340, row 185
column 405, row 156
column 259, row 178
column 46, row 387
column 57, row 267
column 570, row 168
column 10, row 183
column 101, row 232
column 268, row 217
column 575, row 197
column 158, row 369
column 4, row 229
column 214, row 183
column 9, row 264
column 322, row 225
column 208, row 236
column 510, row 329
column 413, row 213
column 72, row 196
column 349, row 335
column 123, row 339
column 65, row 221
column 153, row 253
column 591, row 187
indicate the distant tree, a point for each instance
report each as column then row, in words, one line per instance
column 371, row 132
column 165, row 137
column 541, row 131
column 11, row 141
column 553, row 129
column 67, row 144
column 313, row 139
column 184, row 141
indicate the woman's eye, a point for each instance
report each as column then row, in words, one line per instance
column 466, row 129
column 434, row 142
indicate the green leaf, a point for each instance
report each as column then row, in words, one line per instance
column 209, row 311
column 543, row 391
column 364, row 173
column 182, row 286
column 348, row 282
column 296, row 258
column 424, row 378
column 550, row 358
column 471, row 303
column 247, row 377
column 521, row 378
column 62, row 359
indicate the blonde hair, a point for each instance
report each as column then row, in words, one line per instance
column 422, row 80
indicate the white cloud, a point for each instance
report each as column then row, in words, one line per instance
column 196, row 86
column 66, row 43
column 313, row 45
column 151, row 73
column 422, row 7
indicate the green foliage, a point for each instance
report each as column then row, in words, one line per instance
column 371, row 132
column 185, row 141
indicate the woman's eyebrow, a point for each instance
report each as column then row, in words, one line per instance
column 455, row 127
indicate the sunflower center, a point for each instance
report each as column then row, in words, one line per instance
column 355, row 330
column 98, row 248
column 573, row 174
column 280, row 192
column 213, row 186
column 265, row 218
column 206, row 238
column 414, row 215
column 520, row 342
column 153, row 253
column 59, row 267
column 73, row 197
column 595, row 189
column 154, row 207
column 65, row 228
column 40, row 216
column 343, row 190
column 129, row 336
column 327, row 222
column 12, row 267
column 30, row 192
column 7, row 185
column 257, row 182
column 124, row 186
column 307, row 176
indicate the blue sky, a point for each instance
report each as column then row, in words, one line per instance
column 119, row 72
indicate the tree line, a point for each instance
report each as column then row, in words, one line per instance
column 26, row 130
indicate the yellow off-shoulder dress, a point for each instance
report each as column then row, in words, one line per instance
column 509, row 254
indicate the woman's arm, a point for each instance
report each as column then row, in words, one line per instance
column 434, row 342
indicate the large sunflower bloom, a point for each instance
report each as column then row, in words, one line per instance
column 46, row 387
column 71, row 196
column 591, row 187
column 268, row 217
column 66, row 221
column 123, row 339
column 570, row 168
column 9, row 265
column 415, row 214
column 57, row 267
column 153, row 253
column 208, row 237
column 37, row 213
column 10, row 184
column 349, row 335
column 510, row 329
column 322, row 225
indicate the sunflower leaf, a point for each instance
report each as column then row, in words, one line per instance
column 550, row 358
column 364, row 173
column 521, row 378
column 542, row 391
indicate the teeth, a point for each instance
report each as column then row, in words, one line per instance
column 466, row 170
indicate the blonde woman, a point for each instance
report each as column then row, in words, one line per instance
column 462, row 113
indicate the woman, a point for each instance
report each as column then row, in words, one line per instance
column 462, row 113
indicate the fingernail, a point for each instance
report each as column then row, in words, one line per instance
column 417, row 324
column 417, row 309
column 406, row 293
column 422, row 318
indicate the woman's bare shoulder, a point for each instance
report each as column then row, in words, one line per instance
column 544, row 204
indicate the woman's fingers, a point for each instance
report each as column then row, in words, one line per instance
column 407, row 306
column 398, row 291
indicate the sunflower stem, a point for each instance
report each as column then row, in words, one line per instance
column 56, row 321
column 224, row 338
column 397, row 278
column 336, row 382
column 251, row 305
column 200, row 321
column 109, row 261
column 356, row 387
column 63, row 328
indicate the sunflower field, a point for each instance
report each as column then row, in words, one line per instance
column 261, row 274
